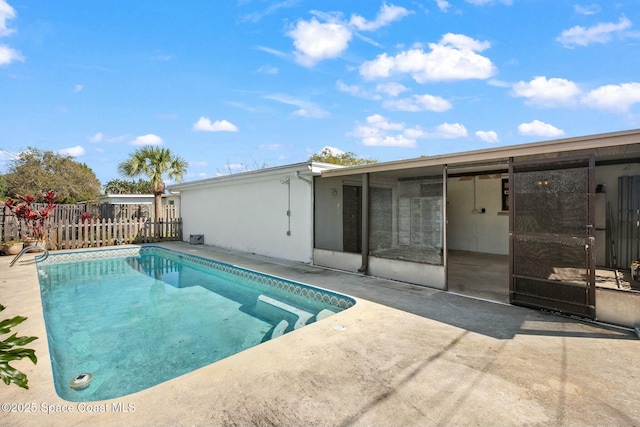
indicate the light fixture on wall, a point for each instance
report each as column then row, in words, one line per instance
column 334, row 191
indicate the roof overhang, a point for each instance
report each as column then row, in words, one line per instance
column 611, row 146
column 306, row 169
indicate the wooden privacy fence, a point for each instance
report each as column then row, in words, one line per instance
column 67, row 220
column 107, row 232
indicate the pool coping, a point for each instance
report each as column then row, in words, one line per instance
column 444, row 360
column 316, row 293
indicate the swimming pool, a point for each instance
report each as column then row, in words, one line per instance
column 138, row 316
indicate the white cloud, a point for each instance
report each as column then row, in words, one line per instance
column 8, row 55
column 386, row 15
column 448, row 131
column 204, row 124
column 460, row 41
column 453, row 58
column 538, row 128
column 590, row 9
column 617, row 98
column 600, row 33
column 306, row 109
column 442, row 131
column 487, row 136
column 97, row 137
column 484, row 2
column 379, row 132
column 356, row 90
column 416, row 103
column 333, row 150
column 315, row 41
column 6, row 13
column 72, row 151
column 443, row 5
column 381, row 122
column 312, row 113
column 268, row 69
column 327, row 35
column 78, row 88
column 553, row 92
column 272, row 8
column 100, row 137
column 391, row 88
column 498, row 83
column 148, row 139
column 273, row 52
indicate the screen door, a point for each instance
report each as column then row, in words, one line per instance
column 552, row 253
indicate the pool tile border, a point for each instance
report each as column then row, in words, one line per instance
column 322, row 295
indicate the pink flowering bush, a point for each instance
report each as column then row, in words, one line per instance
column 35, row 220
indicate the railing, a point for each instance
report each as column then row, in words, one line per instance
column 32, row 248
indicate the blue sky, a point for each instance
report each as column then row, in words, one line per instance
column 236, row 85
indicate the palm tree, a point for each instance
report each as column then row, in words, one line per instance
column 154, row 162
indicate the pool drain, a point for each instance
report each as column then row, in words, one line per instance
column 81, row 381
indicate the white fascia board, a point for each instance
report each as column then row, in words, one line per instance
column 267, row 174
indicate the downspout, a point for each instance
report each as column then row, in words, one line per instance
column 309, row 181
column 365, row 224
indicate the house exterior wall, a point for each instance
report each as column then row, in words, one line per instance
column 469, row 229
column 328, row 213
column 406, row 271
column 251, row 215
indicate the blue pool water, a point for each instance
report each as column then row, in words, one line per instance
column 136, row 317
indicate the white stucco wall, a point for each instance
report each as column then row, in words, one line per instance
column 248, row 212
column 472, row 230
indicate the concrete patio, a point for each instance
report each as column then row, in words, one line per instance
column 409, row 356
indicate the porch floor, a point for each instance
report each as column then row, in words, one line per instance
column 486, row 276
column 479, row 275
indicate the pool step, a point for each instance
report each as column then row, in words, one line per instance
column 280, row 329
column 266, row 305
column 324, row 313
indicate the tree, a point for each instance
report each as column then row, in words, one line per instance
column 329, row 155
column 155, row 163
column 120, row 186
column 34, row 171
column 3, row 185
